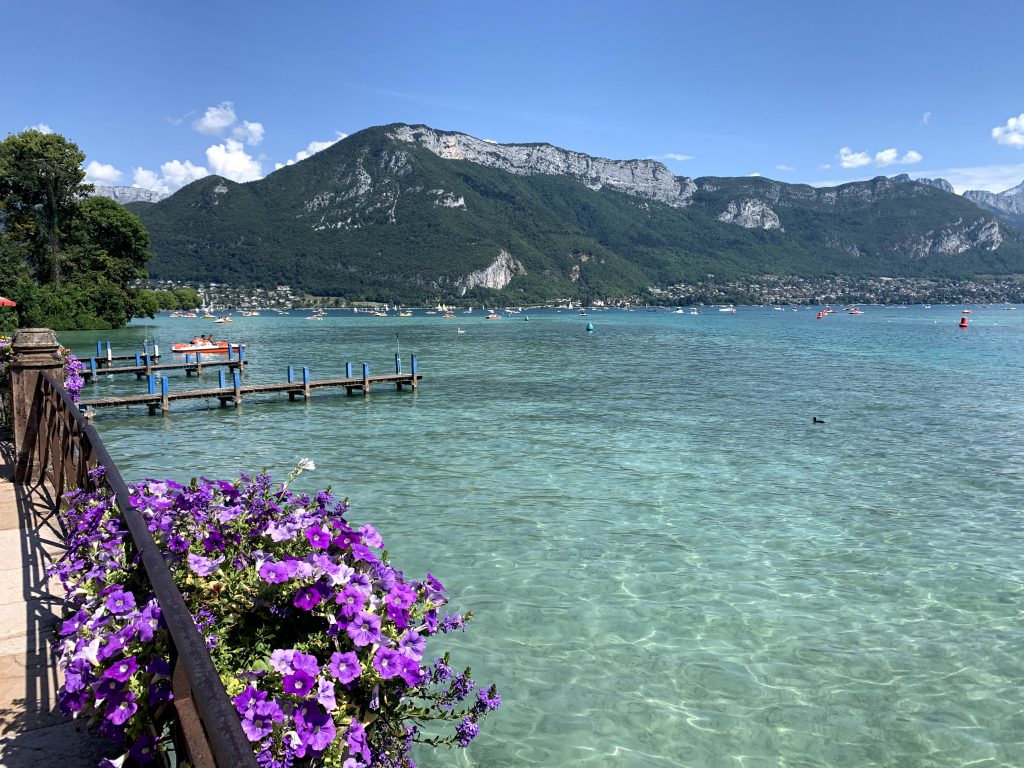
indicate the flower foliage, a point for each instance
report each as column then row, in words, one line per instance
column 73, row 380
column 318, row 639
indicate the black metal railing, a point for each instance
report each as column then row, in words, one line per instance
column 63, row 448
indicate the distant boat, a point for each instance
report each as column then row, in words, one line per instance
column 494, row 316
column 855, row 311
column 694, row 311
column 730, row 310
column 222, row 320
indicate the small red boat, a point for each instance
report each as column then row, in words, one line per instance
column 205, row 346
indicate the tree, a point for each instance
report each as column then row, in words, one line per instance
column 41, row 185
column 68, row 259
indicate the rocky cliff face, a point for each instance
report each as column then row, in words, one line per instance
column 1010, row 201
column 942, row 184
column 497, row 275
column 124, row 195
column 640, row 178
column 750, row 214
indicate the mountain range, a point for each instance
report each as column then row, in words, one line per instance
column 407, row 213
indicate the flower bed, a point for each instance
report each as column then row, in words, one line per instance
column 319, row 641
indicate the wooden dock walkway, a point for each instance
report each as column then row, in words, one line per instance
column 33, row 733
column 145, row 369
column 234, row 395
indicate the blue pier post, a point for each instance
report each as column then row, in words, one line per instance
column 305, row 383
column 92, row 367
column 151, row 384
column 236, row 381
column 138, row 359
column 366, row 379
column 199, row 362
column 291, row 374
column 348, row 370
column 165, row 404
column 222, row 378
column 230, row 351
column 156, row 349
column 398, row 363
column 145, row 346
column 241, row 353
column 99, row 349
column 412, row 364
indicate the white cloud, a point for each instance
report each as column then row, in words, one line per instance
column 886, row 157
column 891, row 156
column 925, row 118
column 676, row 156
column 850, row 159
column 784, row 167
column 173, row 176
column 102, row 173
column 216, row 119
column 312, row 148
column 248, row 133
column 230, row 161
column 1011, row 134
column 754, row 174
column 825, row 166
column 42, row 128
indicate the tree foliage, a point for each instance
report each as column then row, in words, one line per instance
column 67, row 259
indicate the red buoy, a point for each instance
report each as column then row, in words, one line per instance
column 963, row 322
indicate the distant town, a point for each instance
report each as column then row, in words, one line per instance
column 764, row 290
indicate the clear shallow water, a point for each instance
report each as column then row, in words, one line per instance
column 669, row 564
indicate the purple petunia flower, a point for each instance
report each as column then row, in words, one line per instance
column 314, row 727
column 122, row 670
column 120, row 707
column 204, row 566
column 388, row 663
column 318, row 538
column 307, row 598
column 120, row 601
column 297, row 683
column 364, row 629
column 412, row 646
column 370, row 537
column 325, row 694
column 274, row 573
column 351, row 600
column 260, row 721
column 345, row 666
column 355, row 738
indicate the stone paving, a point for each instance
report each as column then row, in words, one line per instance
column 32, row 731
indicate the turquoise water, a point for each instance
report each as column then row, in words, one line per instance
column 669, row 564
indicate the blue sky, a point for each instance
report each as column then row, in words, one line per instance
column 818, row 92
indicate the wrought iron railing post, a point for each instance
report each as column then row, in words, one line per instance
column 35, row 353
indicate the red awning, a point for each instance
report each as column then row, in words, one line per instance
column 6, row 302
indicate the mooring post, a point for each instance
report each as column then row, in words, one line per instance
column 412, row 367
column 145, row 346
column 231, row 351
column 222, row 378
column 110, row 355
column 151, row 384
column 348, row 370
column 291, row 374
column 366, row 379
column 236, row 380
column 241, row 353
column 305, row 383
column 156, row 349
column 165, row 403
column 199, row 363
column 99, row 349
column 398, row 363
column 92, row 367
column 35, row 353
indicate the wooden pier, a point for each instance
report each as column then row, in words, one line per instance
column 145, row 369
column 236, row 392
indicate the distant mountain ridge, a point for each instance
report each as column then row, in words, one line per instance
column 409, row 213
column 1008, row 204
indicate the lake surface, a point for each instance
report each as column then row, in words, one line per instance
column 669, row 563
